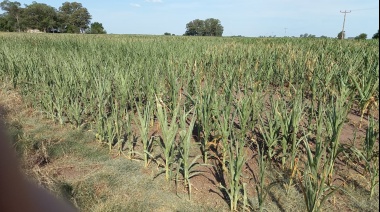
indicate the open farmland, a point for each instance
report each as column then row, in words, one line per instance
column 242, row 120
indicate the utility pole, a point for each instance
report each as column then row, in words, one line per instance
column 344, row 21
column 285, row 31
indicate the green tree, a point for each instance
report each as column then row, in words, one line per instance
column 213, row 27
column 341, row 35
column 4, row 26
column 208, row 27
column 74, row 18
column 307, row 36
column 96, row 28
column 195, row 28
column 40, row 16
column 362, row 36
column 376, row 35
column 13, row 13
column 303, row 35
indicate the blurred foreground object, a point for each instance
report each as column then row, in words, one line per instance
column 16, row 193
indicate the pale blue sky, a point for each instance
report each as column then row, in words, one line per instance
column 239, row 17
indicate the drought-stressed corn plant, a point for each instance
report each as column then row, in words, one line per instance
column 262, row 188
column 246, row 111
column 315, row 176
column 270, row 131
column 59, row 102
column 369, row 155
column 225, row 126
column 169, row 132
column 314, row 183
column 290, row 127
column 336, row 117
column 144, row 118
column 205, row 106
column 129, row 139
column 121, row 122
column 186, row 167
column 366, row 90
column 236, row 160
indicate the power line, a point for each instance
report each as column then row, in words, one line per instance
column 344, row 21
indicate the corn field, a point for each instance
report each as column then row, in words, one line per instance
column 185, row 103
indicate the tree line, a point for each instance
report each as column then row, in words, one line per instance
column 362, row 36
column 70, row 17
column 208, row 27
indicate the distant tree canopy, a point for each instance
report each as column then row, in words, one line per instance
column 307, row 36
column 39, row 16
column 341, row 35
column 362, row 36
column 96, row 28
column 71, row 17
column 74, row 17
column 375, row 36
column 12, row 16
column 208, row 27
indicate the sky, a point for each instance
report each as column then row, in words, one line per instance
column 250, row 18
